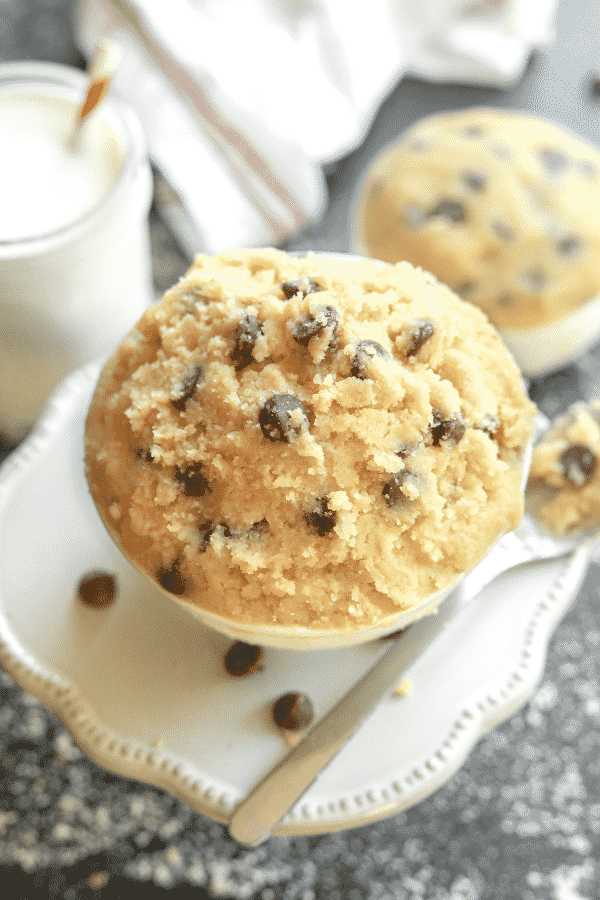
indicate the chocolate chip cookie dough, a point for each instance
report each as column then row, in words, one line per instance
column 565, row 474
column 316, row 442
column 501, row 206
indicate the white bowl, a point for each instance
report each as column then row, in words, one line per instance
column 300, row 637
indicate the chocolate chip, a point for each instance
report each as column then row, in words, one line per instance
column 450, row 431
column 193, row 480
column 259, row 528
column 475, row 179
column 466, row 288
column 405, row 451
column 588, row 168
column 392, row 489
column 246, row 335
column 302, row 286
column 535, row 279
column 172, row 579
column 188, row 390
column 569, row 245
column 554, row 160
column 578, row 464
column 364, row 353
column 97, row 589
column 143, row 455
column 504, row 299
column 206, row 530
column 279, row 420
column 417, row 334
column 309, row 326
column 503, row 230
column 243, row 659
column 321, row 519
column 453, row 210
column 293, row 711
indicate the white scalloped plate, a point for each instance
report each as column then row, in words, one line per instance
column 141, row 684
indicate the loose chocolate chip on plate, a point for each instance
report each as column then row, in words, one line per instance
column 554, row 160
column 449, row 431
column 453, row 210
column 364, row 353
column 321, row 519
column 311, row 325
column 578, row 464
column 173, row 579
column 246, row 335
column 191, row 381
column 302, row 286
column 243, row 659
column 392, row 490
column 283, row 418
column 97, row 589
column 193, row 481
column 417, row 334
column 293, row 711
column 475, row 179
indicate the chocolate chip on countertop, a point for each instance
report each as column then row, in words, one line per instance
column 453, row 210
column 417, row 334
column 392, row 490
column 475, row 179
column 321, row 519
column 449, row 431
column 311, row 325
column 364, row 353
column 578, row 464
column 279, row 420
column 301, row 286
column 193, row 480
column 293, row 711
column 190, row 383
column 554, row 159
column 97, row 589
column 173, row 579
column 243, row 659
column 246, row 335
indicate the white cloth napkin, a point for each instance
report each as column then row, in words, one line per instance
column 244, row 101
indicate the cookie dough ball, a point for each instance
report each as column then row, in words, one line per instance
column 503, row 207
column 318, row 442
column 565, row 471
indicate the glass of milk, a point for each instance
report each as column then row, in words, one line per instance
column 75, row 265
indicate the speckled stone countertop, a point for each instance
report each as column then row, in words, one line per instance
column 519, row 821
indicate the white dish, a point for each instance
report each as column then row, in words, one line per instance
column 142, row 687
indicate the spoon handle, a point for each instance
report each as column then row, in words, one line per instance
column 255, row 817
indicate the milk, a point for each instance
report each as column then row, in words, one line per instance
column 75, row 266
column 46, row 185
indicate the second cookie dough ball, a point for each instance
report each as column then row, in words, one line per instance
column 501, row 206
